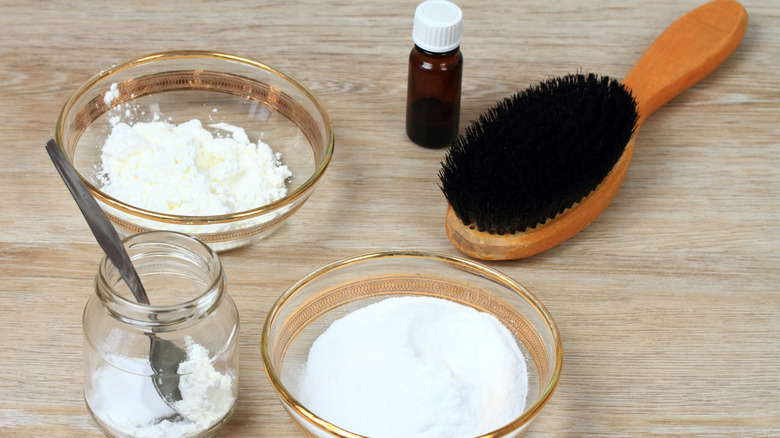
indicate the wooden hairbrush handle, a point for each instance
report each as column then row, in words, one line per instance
column 685, row 53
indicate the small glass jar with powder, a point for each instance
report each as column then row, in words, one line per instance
column 188, row 390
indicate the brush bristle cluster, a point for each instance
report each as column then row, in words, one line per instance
column 538, row 152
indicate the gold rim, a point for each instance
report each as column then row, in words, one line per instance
column 311, row 307
column 300, row 192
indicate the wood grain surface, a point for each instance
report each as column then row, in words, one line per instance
column 668, row 304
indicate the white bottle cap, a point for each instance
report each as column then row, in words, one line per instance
column 437, row 26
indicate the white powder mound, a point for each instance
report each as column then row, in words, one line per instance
column 185, row 170
column 126, row 400
column 416, row 367
column 206, row 393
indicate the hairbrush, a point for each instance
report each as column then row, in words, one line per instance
column 542, row 164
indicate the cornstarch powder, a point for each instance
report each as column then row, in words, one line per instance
column 185, row 170
column 416, row 367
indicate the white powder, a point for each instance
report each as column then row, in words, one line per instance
column 123, row 396
column 206, row 393
column 185, row 170
column 111, row 94
column 416, row 367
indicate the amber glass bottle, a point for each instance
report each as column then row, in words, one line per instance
column 435, row 74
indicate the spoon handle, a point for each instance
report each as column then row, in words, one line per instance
column 101, row 227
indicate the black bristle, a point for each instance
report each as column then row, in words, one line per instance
column 538, row 152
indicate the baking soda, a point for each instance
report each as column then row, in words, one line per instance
column 416, row 367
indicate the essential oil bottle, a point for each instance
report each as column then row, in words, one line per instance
column 435, row 74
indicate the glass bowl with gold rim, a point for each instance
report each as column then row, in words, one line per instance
column 312, row 304
column 219, row 90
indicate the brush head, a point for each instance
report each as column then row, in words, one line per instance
column 538, row 152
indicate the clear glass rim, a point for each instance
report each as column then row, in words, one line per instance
column 530, row 411
column 289, row 199
column 161, row 316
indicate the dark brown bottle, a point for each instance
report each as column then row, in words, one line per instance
column 435, row 75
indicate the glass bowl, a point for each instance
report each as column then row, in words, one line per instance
column 308, row 308
column 219, row 90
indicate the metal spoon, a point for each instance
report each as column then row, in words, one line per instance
column 164, row 355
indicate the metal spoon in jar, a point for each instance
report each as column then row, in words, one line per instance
column 164, row 355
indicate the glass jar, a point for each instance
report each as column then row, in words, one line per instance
column 189, row 386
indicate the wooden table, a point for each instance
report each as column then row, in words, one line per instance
column 668, row 304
